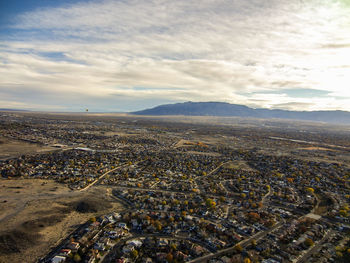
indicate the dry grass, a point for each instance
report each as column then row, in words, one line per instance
column 13, row 148
column 316, row 149
column 37, row 214
column 183, row 143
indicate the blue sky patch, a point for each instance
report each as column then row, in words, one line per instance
column 305, row 93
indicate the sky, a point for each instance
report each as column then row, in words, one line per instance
column 126, row 55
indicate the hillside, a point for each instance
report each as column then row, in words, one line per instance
column 234, row 110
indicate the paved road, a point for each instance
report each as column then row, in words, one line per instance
column 101, row 177
column 263, row 200
column 317, row 203
column 211, row 172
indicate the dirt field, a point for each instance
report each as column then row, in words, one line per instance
column 203, row 153
column 12, row 148
column 182, row 143
column 316, row 149
column 37, row 214
column 201, row 141
column 325, row 204
column 242, row 165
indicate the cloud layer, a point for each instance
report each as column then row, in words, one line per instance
column 127, row 55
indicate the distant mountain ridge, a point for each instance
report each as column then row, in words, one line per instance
column 224, row 109
column 3, row 109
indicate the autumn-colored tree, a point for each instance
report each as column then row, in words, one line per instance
column 253, row 242
column 343, row 213
column 77, row 258
column 158, row 225
column 270, row 223
column 134, row 254
column 210, row 203
column 238, row 248
column 309, row 242
column 169, row 257
column 254, row 216
column 339, row 254
column 310, row 190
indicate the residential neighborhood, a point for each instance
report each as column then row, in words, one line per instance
column 188, row 196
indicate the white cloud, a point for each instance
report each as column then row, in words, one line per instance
column 178, row 51
column 8, row 104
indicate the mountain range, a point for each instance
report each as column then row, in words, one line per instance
column 234, row 110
